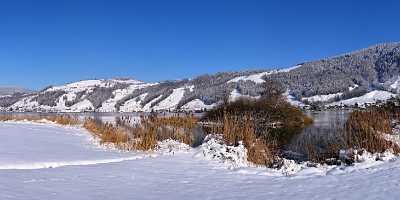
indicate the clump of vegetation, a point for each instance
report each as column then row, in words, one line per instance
column 264, row 125
column 144, row 135
column 107, row 133
column 366, row 129
column 123, row 135
column 58, row 119
column 177, row 128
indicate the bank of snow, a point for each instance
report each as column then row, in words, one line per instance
column 258, row 77
column 180, row 174
column 322, row 98
column 198, row 105
column 46, row 145
column 370, row 97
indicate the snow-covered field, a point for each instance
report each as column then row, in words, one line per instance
column 44, row 161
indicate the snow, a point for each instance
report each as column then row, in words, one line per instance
column 109, row 105
column 85, row 84
column 235, row 95
column 289, row 68
column 91, row 172
column 322, row 98
column 172, row 101
column 169, row 146
column 370, row 97
column 292, row 100
column 396, row 84
column 84, row 105
column 197, row 104
column 37, row 146
column 147, row 107
column 351, row 88
column 232, row 157
column 133, row 105
column 258, row 77
column 88, row 86
column 79, row 86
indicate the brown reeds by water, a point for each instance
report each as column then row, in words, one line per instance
column 144, row 135
column 263, row 126
column 365, row 130
column 58, row 119
column 125, row 136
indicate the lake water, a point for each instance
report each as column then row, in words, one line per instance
column 327, row 129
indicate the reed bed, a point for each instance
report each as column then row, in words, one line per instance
column 264, row 126
column 124, row 135
column 366, row 129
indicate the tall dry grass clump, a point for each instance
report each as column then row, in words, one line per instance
column 236, row 129
column 58, row 119
column 265, row 125
column 144, row 135
column 175, row 127
column 125, row 138
column 65, row 120
column 106, row 132
column 366, row 129
column 123, row 135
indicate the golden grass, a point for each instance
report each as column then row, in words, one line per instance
column 366, row 129
column 235, row 129
column 58, row 119
column 265, row 126
column 143, row 136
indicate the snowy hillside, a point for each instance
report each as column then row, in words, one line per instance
column 333, row 81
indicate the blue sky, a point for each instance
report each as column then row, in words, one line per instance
column 53, row 42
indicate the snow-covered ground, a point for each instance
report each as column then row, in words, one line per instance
column 88, row 171
column 370, row 97
column 322, row 98
column 258, row 78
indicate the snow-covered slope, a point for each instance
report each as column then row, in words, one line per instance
column 171, row 102
column 62, row 163
column 327, row 80
column 258, row 77
column 322, row 98
column 77, row 95
column 370, row 97
column 115, row 95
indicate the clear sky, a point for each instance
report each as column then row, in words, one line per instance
column 53, row 42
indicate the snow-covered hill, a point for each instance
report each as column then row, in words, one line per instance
column 365, row 76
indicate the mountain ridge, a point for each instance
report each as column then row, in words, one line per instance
column 363, row 76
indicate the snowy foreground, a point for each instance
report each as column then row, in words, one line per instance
column 42, row 161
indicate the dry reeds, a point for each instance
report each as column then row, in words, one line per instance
column 58, row 119
column 263, row 126
column 142, row 136
column 365, row 129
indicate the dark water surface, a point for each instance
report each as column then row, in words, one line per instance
column 327, row 129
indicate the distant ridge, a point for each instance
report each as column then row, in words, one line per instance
column 364, row 76
column 5, row 90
